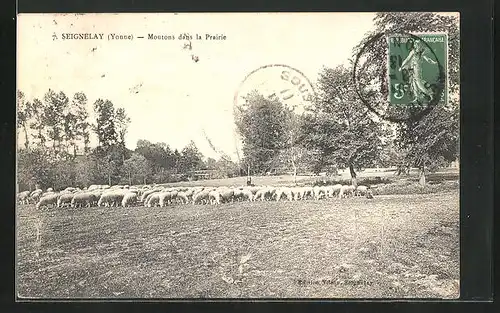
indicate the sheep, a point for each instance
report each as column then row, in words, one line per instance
column 361, row 190
column 201, row 196
column 128, row 199
column 64, row 200
column 153, row 200
column 253, row 189
column 319, row 192
column 164, row 198
column 283, row 191
column 265, row 193
column 35, row 196
column 148, row 192
column 50, row 189
column 48, row 200
column 181, row 196
column 214, row 197
column 40, row 191
column 296, row 193
column 189, row 194
column 346, row 191
column 227, row 194
column 369, row 194
column 307, row 192
column 23, row 197
column 81, row 199
column 237, row 194
column 247, row 195
column 111, row 198
column 334, row 190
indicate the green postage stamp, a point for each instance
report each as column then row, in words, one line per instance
column 413, row 67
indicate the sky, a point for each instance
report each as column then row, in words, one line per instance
column 167, row 95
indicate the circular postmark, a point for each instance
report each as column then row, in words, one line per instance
column 278, row 81
column 411, row 82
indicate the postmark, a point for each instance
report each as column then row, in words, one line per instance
column 278, row 81
column 404, row 88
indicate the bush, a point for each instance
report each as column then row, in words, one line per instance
column 414, row 188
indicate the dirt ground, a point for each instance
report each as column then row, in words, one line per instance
column 390, row 246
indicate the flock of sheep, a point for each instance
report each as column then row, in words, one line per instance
column 149, row 196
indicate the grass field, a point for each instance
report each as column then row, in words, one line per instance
column 343, row 177
column 391, row 246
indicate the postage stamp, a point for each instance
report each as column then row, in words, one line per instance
column 414, row 67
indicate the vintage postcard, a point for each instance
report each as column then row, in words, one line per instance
column 238, row 155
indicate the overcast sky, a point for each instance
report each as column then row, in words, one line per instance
column 177, row 98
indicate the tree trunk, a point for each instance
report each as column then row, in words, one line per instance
column 26, row 137
column 109, row 179
column 354, row 180
column 294, row 172
column 422, row 176
column 129, row 179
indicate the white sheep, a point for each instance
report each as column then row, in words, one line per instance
column 129, row 199
column 23, row 197
column 153, row 199
column 283, row 191
column 164, row 198
column 346, row 191
column 361, row 190
column 214, row 197
column 64, row 200
column 48, row 200
column 201, row 197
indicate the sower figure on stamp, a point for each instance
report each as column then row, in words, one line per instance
column 413, row 63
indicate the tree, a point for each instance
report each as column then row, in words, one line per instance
column 431, row 140
column 264, row 125
column 24, row 114
column 339, row 125
column 82, row 124
column 137, row 168
column 53, row 117
column 105, row 123
column 191, row 158
column 85, row 168
column 121, row 123
column 37, row 122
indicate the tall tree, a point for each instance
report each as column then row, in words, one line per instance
column 53, row 117
column 37, row 122
column 105, row 123
column 24, row 114
column 263, row 125
column 191, row 158
column 122, row 122
column 82, row 122
column 340, row 126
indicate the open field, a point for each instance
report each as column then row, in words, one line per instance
column 343, row 175
column 390, row 246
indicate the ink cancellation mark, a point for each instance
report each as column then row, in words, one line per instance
column 280, row 82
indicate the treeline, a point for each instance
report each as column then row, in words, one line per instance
column 56, row 133
column 338, row 131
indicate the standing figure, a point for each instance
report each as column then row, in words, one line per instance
column 413, row 63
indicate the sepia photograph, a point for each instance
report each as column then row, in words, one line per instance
column 238, row 156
